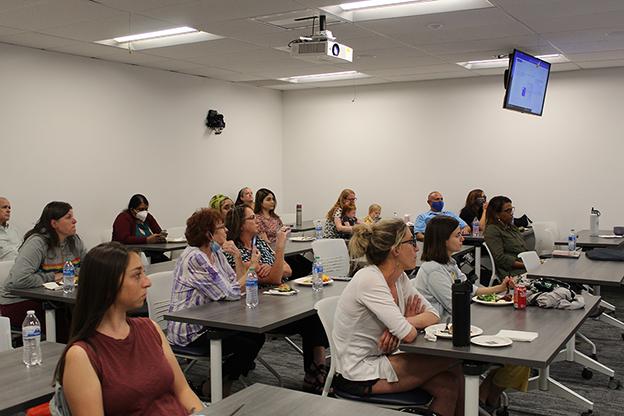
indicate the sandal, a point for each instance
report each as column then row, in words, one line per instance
column 198, row 389
column 314, row 379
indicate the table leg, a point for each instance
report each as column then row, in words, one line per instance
column 478, row 262
column 471, row 398
column 570, row 354
column 50, row 325
column 546, row 383
column 216, row 384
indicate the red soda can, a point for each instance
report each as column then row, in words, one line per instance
column 519, row 297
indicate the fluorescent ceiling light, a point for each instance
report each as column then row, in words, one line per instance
column 160, row 38
column 356, row 5
column 158, row 34
column 504, row 62
column 332, row 76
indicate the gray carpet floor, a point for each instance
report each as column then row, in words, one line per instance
column 607, row 402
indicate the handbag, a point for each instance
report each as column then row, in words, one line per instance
column 58, row 404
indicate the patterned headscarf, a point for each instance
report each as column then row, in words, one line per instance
column 217, row 200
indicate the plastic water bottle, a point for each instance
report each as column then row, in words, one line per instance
column 475, row 227
column 251, row 299
column 317, row 274
column 318, row 229
column 31, row 337
column 69, row 272
column 572, row 240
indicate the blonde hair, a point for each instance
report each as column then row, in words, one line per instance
column 374, row 207
column 340, row 203
column 376, row 240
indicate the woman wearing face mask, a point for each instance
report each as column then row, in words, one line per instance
column 137, row 226
column 503, row 238
column 40, row 259
column 476, row 206
column 245, row 197
column 203, row 275
column 221, row 203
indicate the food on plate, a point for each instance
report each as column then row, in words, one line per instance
column 494, row 298
column 326, row 278
column 284, row 288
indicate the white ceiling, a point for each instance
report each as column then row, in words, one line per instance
column 590, row 33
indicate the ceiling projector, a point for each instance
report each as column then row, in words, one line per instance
column 321, row 47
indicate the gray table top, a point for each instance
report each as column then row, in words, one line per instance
column 464, row 249
column 24, row 387
column 478, row 240
column 41, row 293
column 307, row 225
column 271, row 313
column 585, row 240
column 297, row 247
column 582, row 270
column 260, row 399
column 554, row 326
column 160, row 247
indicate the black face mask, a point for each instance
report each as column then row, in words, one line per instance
column 480, row 201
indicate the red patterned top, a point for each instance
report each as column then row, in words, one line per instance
column 270, row 226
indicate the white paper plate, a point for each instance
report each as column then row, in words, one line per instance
column 499, row 303
column 301, row 239
column 493, row 341
column 176, row 240
column 307, row 281
column 438, row 331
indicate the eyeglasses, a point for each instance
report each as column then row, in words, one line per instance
column 351, row 199
column 413, row 242
column 509, row 210
column 220, row 227
column 253, row 217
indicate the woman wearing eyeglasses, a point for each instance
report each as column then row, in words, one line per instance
column 377, row 310
column 243, row 231
column 333, row 220
column 503, row 238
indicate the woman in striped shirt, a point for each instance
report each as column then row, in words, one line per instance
column 203, row 275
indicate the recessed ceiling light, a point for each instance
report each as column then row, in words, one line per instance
column 504, row 62
column 435, row 26
column 367, row 4
column 160, row 38
column 332, row 76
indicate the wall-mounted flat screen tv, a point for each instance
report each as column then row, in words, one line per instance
column 526, row 81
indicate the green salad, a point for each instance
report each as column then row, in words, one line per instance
column 490, row 297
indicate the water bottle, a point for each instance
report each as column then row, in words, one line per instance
column 317, row 275
column 475, row 227
column 69, row 271
column 594, row 218
column 572, row 240
column 318, row 229
column 251, row 299
column 299, row 215
column 31, row 338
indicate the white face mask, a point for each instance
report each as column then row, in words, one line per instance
column 141, row 216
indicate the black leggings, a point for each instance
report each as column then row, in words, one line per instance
column 239, row 349
column 313, row 335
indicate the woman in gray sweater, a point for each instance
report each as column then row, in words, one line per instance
column 51, row 242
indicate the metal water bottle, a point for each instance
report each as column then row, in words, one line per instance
column 594, row 227
column 299, row 219
column 461, row 295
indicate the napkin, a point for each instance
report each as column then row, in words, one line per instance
column 52, row 286
column 278, row 293
column 518, row 335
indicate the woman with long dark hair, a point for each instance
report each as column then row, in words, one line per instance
column 113, row 364
column 269, row 223
column 476, row 206
column 47, row 246
column 245, row 197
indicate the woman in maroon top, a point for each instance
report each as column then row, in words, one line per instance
column 112, row 364
column 135, row 225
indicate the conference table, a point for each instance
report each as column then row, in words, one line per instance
column 307, row 225
column 585, row 240
column 260, row 399
column 159, row 247
column 556, row 327
column 595, row 273
column 24, row 387
column 271, row 313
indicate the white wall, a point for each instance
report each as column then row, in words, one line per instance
column 397, row 142
column 93, row 133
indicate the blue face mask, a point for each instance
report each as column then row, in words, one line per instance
column 437, row 205
column 214, row 246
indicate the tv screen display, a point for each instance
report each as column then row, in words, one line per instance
column 527, row 79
